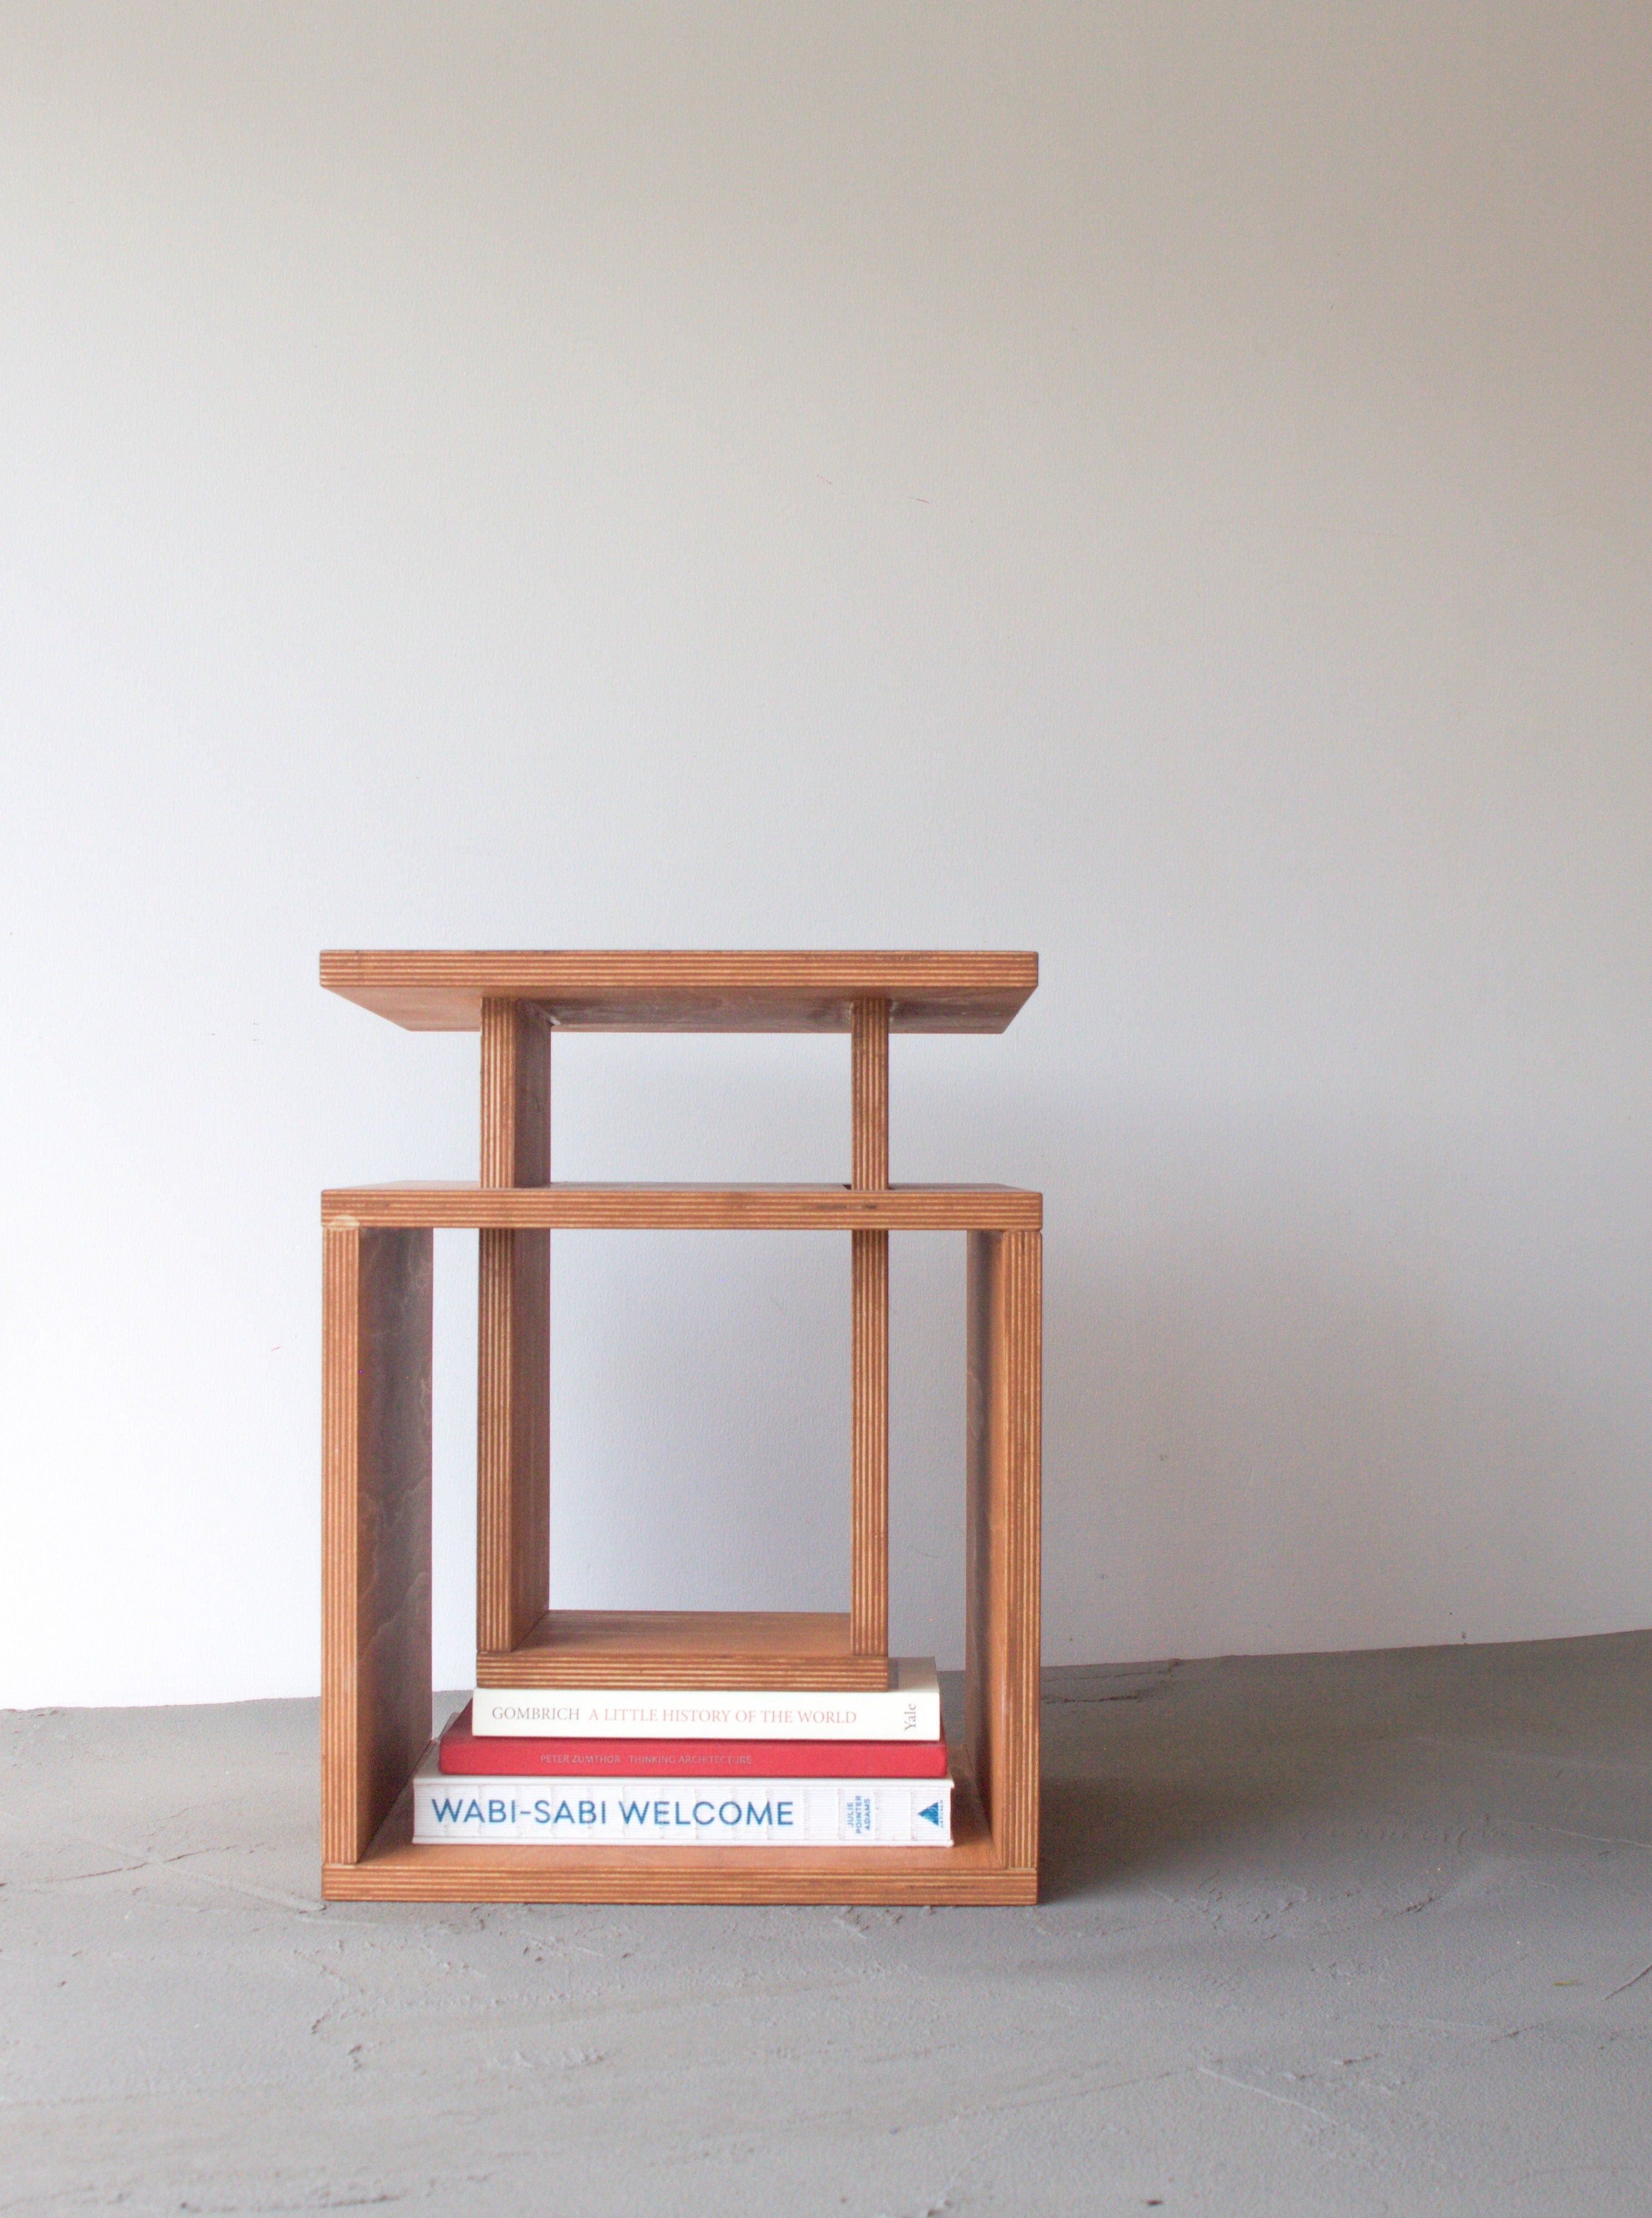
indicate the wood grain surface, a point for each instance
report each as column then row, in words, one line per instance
column 375, row 1492
column 795, row 1649
column 637, row 989
column 868, row 1280
column 458, row 1205
column 516, row 1089
column 868, row 1169
column 1001, row 1625
column 869, row 1476
column 513, row 1334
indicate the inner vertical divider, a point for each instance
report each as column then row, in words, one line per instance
column 869, row 1502
column 513, row 1335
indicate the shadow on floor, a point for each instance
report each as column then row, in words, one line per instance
column 1099, row 1833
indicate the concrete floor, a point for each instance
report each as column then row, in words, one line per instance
column 1330, row 1933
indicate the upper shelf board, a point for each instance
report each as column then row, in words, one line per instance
column 635, row 990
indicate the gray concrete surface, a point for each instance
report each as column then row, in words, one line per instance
column 1350, row 1934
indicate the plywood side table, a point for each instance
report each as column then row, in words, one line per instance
column 376, row 1426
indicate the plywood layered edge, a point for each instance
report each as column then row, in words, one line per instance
column 1002, row 1536
column 719, row 990
column 462, row 1205
column 394, row 1869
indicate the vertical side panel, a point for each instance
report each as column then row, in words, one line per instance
column 868, row 1493
column 982, row 1637
column 513, row 1398
column 1015, row 1822
column 376, row 1678
column 1002, row 1630
column 341, row 1256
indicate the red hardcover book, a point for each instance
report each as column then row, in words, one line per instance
column 465, row 1754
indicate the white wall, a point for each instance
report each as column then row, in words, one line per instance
column 1167, row 486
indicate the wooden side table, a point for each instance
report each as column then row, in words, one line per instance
column 375, row 1709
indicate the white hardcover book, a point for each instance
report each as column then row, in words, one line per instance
column 703, row 1813
column 909, row 1708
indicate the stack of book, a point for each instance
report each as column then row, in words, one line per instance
column 659, row 1766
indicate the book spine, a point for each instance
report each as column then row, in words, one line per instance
column 702, row 1812
column 466, row 1754
column 902, row 1713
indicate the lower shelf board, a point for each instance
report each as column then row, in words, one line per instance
column 811, row 1650
column 397, row 1869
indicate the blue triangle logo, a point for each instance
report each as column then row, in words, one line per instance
column 933, row 1813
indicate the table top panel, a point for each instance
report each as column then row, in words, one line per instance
column 640, row 990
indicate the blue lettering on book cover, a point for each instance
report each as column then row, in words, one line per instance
column 732, row 1814
column 454, row 1811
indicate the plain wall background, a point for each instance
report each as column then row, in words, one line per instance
column 1167, row 486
